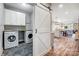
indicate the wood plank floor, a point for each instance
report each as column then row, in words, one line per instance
column 64, row 46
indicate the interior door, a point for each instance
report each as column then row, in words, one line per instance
column 41, row 38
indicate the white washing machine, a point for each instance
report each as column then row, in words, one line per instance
column 28, row 37
column 10, row 39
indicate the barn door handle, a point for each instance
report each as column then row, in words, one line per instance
column 35, row 30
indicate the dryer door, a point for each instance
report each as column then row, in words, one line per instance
column 30, row 36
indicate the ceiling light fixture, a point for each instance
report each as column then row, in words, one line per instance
column 66, row 12
column 60, row 5
column 24, row 4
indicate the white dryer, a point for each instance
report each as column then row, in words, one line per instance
column 28, row 37
column 10, row 39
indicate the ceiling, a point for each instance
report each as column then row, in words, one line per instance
column 23, row 7
column 66, row 12
column 26, row 8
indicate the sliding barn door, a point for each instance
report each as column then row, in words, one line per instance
column 41, row 29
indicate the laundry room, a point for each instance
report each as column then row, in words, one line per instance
column 17, row 36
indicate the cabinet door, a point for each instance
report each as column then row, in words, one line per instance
column 10, row 17
column 13, row 18
column 20, row 18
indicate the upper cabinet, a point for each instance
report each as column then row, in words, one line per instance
column 14, row 18
column 20, row 18
column 1, row 14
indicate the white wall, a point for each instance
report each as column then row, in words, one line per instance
column 1, row 26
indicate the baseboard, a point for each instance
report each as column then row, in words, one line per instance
column 1, row 51
column 45, row 52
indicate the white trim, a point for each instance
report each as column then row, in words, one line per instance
column 1, row 51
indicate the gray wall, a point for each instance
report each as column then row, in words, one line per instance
column 14, row 28
column 28, row 22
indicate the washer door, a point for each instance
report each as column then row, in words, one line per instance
column 11, row 38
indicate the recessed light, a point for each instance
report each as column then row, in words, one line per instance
column 60, row 5
column 66, row 12
column 24, row 4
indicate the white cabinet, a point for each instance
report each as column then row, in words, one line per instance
column 1, row 14
column 20, row 18
column 14, row 18
column 10, row 17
